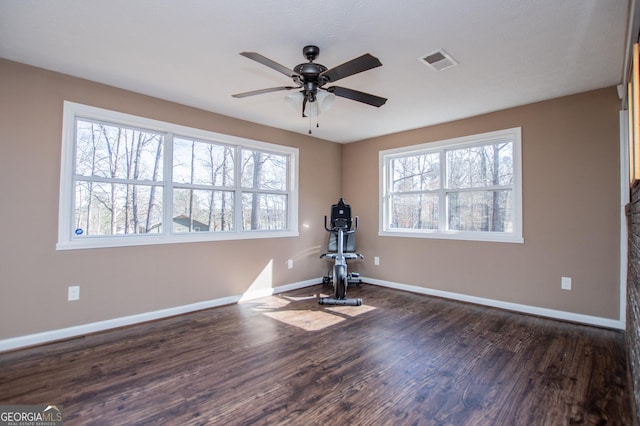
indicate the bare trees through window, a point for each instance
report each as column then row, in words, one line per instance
column 117, row 179
column 479, row 179
column 120, row 183
column 415, row 182
column 456, row 186
column 204, row 186
column 264, row 185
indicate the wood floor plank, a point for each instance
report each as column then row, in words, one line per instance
column 400, row 359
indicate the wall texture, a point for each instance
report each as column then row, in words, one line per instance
column 571, row 211
column 633, row 293
column 124, row 281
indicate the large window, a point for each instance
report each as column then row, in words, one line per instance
column 464, row 188
column 128, row 180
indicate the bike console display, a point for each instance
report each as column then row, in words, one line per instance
column 341, row 216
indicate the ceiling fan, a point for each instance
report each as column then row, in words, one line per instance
column 311, row 77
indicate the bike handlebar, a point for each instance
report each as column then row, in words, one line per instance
column 336, row 229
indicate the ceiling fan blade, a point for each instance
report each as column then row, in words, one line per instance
column 268, row 62
column 354, row 66
column 261, row 91
column 356, row 95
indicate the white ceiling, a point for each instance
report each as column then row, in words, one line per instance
column 511, row 52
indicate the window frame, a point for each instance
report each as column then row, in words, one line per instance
column 66, row 208
column 441, row 147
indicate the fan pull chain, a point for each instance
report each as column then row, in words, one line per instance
column 317, row 123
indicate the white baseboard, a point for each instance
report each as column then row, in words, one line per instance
column 81, row 330
column 527, row 309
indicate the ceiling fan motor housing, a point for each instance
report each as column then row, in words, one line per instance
column 310, row 73
column 310, row 76
column 310, row 69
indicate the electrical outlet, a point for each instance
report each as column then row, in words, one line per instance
column 290, row 263
column 376, row 261
column 565, row 283
column 73, row 293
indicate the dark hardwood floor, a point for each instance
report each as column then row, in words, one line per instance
column 400, row 359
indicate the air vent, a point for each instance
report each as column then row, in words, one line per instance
column 438, row 60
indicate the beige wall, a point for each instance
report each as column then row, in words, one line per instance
column 571, row 223
column 117, row 282
column 570, row 153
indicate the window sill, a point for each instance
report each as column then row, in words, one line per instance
column 493, row 237
column 145, row 240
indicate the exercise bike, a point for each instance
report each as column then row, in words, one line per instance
column 341, row 248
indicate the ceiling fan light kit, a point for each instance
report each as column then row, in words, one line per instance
column 311, row 77
column 324, row 101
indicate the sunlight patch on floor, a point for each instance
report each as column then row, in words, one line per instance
column 351, row 311
column 300, row 298
column 307, row 320
column 296, row 311
column 270, row 303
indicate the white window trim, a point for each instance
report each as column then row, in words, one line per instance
column 66, row 211
column 514, row 134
